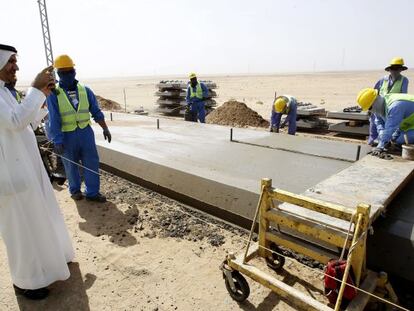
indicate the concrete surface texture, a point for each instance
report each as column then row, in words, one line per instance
column 199, row 161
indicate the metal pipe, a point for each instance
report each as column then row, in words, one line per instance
column 231, row 134
column 358, row 152
column 254, row 224
column 158, row 124
column 111, row 116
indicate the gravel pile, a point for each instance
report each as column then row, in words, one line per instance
column 236, row 114
column 108, row 104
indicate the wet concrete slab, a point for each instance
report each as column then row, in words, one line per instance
column 199, row 161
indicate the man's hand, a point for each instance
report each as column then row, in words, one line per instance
column 107, row 135
column 376, row 151
column 44, row 81
column 380, row 153
column 58, row 148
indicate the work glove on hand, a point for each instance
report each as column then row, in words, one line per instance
column 283, row 125
column 107, row 135
column 58, row 148
column 380, row 153
column 271, row 129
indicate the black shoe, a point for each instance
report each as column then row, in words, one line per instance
column 77, row 196
column 97, row 198
column 32, row 294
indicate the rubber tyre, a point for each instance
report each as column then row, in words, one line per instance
column 275, row 262
column 242, row 287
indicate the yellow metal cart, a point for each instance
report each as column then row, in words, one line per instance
column 301, row 231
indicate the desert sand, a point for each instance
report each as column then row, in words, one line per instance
column 335, row 90
column 142, row 251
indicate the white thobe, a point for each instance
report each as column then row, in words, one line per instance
column 31, row 224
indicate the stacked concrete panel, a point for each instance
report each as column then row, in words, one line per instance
column 356, row 122
column 172, row 95
column 309, row 116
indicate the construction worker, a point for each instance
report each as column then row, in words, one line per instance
column 197, row 93
column 284, row 105
column 393, row 83
column 397, row 111
column 70, row 107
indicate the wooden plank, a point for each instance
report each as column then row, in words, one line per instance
column 371, row 181
column 361, row 300
column 289, row 293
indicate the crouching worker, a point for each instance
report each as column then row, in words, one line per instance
column 284, row 105
column 397, row 122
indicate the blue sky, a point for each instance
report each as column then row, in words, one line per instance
column 160, row 37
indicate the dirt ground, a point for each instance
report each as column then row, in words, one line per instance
column 331, row 90
column 143, row 251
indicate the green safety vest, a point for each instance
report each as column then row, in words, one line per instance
column 408, row 122
column 198, row 93
column 71, row 119
column 396, row 87
column 18, row 97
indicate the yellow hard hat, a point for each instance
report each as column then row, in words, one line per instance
column 63, row 61
column 366, row 98
column 192, row 75
column 280, row 103
column 396, row 62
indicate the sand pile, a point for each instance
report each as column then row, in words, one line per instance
column 237, row 114
column 107, row 104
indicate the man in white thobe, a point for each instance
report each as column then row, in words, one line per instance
column 31, row 224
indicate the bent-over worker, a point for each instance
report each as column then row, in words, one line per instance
column 284, row 105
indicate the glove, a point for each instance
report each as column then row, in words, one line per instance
column 58, row 148
column 380, row 153
column 376, row 151
column 271, row 129
column 107, row 135
column 283, row 125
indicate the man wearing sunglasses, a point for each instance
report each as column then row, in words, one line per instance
column 70, row 107
column 398, row 113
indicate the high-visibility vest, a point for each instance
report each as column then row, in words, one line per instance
column 407, row 123
column 18, row 97
column 396, row 87
column 71, row 118
column 198, row 93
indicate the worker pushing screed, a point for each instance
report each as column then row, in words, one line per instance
column 395, row 82
column 70, row 107
column 284, row 104
column 397, row 123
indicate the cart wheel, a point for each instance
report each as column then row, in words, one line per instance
column 275, row 261
column 242, row 287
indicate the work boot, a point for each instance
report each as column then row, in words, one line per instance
column 32, row 294
column 77, row 196
column 97, row 198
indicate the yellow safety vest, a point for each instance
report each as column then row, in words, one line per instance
column 396, row 87
column 198, row 93
column 72, row 119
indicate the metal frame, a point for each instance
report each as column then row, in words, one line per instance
column 270, row 217
column 45, row 32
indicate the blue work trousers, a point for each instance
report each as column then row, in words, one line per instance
column 198, row 110
column 79, row 146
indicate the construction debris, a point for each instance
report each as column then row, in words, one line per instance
column 172, row 97
column 237, row 114
column 108, row 104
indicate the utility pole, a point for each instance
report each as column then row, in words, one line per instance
column 46, row 32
